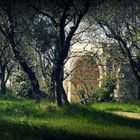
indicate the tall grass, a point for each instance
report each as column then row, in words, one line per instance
column 23, row 119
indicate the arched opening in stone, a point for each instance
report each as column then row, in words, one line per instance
column 84, row 79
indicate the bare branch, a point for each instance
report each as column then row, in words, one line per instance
column 45, row 14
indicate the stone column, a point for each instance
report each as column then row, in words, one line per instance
column 100, row 75
column 69, row 91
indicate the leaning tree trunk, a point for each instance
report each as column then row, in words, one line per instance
column 30, row 73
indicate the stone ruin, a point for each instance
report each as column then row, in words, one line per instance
column 82, row 73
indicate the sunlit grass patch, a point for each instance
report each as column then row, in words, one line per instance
column 24, row 119
column 116, row 107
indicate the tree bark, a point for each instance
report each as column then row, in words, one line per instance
column 58, row 86
column 2, row 79
column 51, row 87
column 59, row 89
column 10, row 34
column 138, row 91
column 3, row 86
column 31, row 74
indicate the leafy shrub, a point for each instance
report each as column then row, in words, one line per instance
column 105, row 92
column 82, row 96
column 8, row 96
column 20, row 83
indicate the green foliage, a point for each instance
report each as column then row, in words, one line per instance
column 20, row 83
column 115, row 106
column 82, row 96
column 8, row 96
column 105, row 92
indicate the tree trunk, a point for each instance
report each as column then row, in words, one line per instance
column 3, row 86
column 139, row 91
column 32, row 77
column 60, row 92
column 64, row 95
column 2, row 79
column 31, row 74
column 51, row 87
column 58, row 86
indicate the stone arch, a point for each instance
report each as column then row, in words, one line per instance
column 78, row 53
column 86, row 77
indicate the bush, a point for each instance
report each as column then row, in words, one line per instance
column 20, row 83
column 105, row 92
column 82, row 96
column 8, row 96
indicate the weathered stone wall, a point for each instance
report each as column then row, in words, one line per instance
column 86, row 76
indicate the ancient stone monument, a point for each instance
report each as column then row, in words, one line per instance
column 85, row 75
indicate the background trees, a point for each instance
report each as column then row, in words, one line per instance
column 120, row 21
column 6, row 63
column 40, row 36
column 66, row 21
column 12, row 27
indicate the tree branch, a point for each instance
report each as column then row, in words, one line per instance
column 45, row 14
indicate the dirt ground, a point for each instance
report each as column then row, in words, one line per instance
column 127, row 114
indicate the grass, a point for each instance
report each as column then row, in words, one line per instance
column 116, row 107
column 22, row 119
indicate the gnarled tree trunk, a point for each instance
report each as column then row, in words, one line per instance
column 31, row 74
column 60, row 92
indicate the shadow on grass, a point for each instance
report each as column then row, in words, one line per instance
column 102, row 116
column 16, row 131
column 70, row 111
column 10, row 130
